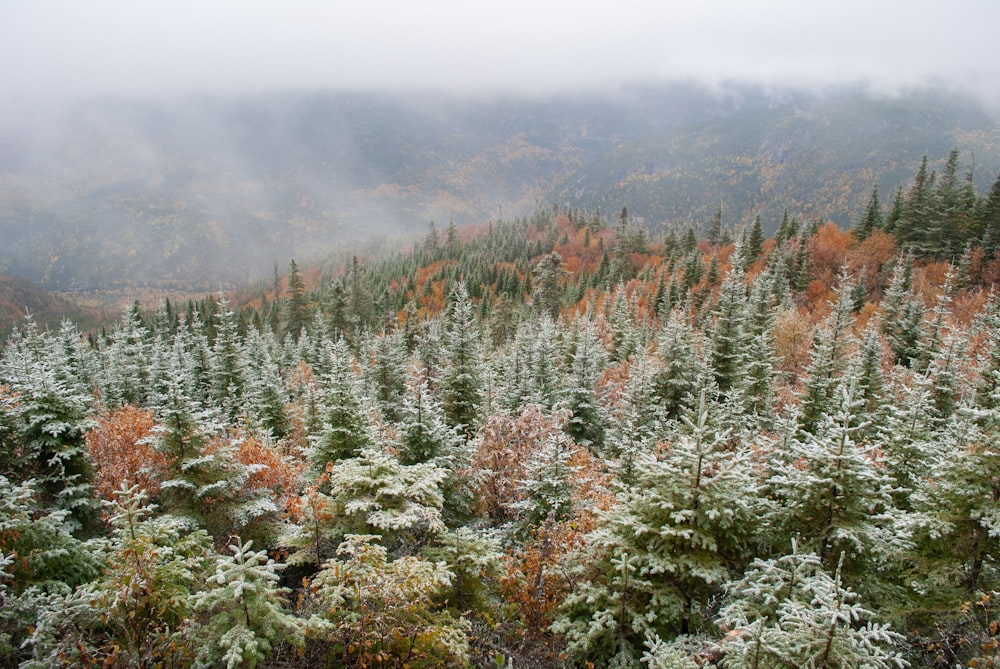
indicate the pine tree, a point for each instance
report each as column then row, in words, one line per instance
column 387, row 374
column 375, row 493
column 140, row 611
column 587, row 416
column 47, row 411
column 546, row 294
column 715, row 227
column 227, row 374
column 125, row 375
column 246, row 617
column 755, row 242
column 790, row 612
column 381, row 612
column 832, row 495
column 827, row 363
column 675, row 383
column 461, row 387
column 988, row 220
column 546, row 492
column 729, row 343
column 345, row 427
column 668, row 546
column 295, row 311
column 872, row 218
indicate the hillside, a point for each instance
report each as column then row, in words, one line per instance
column 543, row 442
column 813, row 158
column 19, row 297
column 206, row 193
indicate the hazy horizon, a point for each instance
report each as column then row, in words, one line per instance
column 54, row 51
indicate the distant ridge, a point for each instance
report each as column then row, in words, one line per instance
column 20, row 297
column 200, row 194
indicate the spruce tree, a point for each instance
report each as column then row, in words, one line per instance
column 872, row 218
column 295, row 311
column 244, row 609
column 672, row 542
column 729, row 341
column 586, row 424
column 47, row 410
column 345, row 427
column 461, row 386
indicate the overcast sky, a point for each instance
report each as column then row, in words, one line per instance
column 132, row 47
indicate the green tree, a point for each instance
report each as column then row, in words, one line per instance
column 243, row 604
column 295, row 312
column 664, row 552
column 546, row 294
column 791, row 612
column 47, row 410
column 373, row 611
column 345, row 428
column 461, row 385
column 872, row 218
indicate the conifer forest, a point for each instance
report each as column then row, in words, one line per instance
column 559, row 440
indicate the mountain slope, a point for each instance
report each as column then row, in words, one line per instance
column 817, row 158
column 206, row 193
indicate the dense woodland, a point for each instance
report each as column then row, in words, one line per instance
column 539, row 442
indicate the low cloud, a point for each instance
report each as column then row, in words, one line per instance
column 54, row 49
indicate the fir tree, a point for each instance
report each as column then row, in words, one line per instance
column 791, row 612
column 295, row 311
column 47, row 411
column 246, row 618
column 668, row 546
column 461, row 389
column 345, row 427
column 872, row 218
column 587, row 419
column 728, row 340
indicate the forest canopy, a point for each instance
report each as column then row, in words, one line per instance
column 551, row 440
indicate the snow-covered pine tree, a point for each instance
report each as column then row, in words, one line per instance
column 586, row 424
column 461, row 384
column 791, row 612
column 47, row 411
column 665, row 551
column 244, row 608
column 346, row 428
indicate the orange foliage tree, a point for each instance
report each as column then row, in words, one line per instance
column 505, row 445
column 122, row 452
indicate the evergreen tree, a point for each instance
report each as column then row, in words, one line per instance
column 345, row 427
column 669, row 546
column 246, row 617
column 387, row 374
column 790, row 612
column 377, row 611
column 827, row 363
column 728, row 340
column 715, row 227
column 375, row 493
column 140, row 611
column 228, row 377
column 461, row 387
column 988, row 220
column 676, row 382
column 587, row 417
column 47, row 411
column 125, row 374
column 546, row 294
column 755, row 242
column 295, row 312
column 547, row 488
column 872, row 218
column 832, row 495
